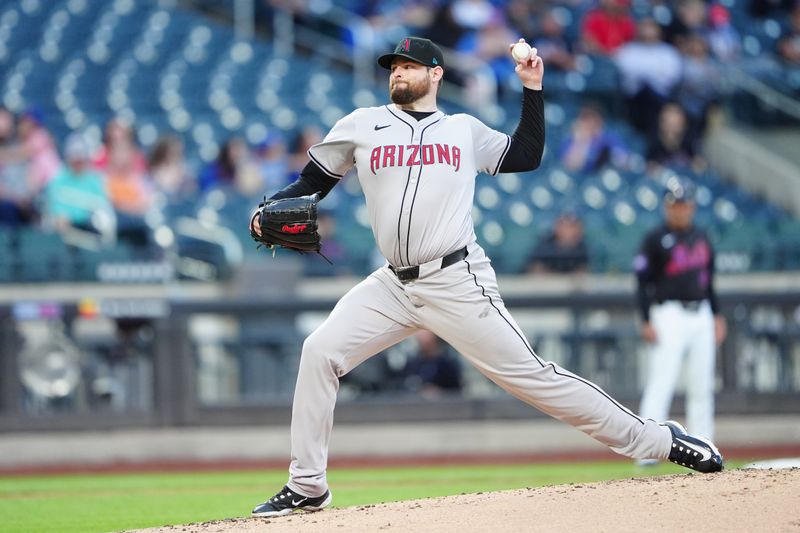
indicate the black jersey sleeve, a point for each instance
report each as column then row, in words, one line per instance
column 712, row 293
column 527, row 142
column 647, row 267
column 312, row 179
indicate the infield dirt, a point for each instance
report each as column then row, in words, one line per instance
column 731, row 501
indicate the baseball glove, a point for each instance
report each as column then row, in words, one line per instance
column 288, row 223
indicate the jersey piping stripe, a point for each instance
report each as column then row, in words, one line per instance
column 536, row 357
column 325, row 170
column 502, row 156
column 414, row 198
column 407, row 262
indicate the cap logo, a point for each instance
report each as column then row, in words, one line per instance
column 434, row 61
column 406, row 45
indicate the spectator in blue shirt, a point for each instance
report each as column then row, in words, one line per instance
column 590, row 145
column 433, row 370
column 77, row 197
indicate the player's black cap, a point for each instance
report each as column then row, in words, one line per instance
column 416, row 49
column 679, row 190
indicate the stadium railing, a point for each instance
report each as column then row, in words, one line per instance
column 133, row 356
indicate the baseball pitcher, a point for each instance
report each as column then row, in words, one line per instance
column 417, row 168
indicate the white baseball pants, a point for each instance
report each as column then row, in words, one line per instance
column 682, row 333
column 461, row 305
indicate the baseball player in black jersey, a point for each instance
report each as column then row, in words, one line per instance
column 417, row 168
column 680, row 314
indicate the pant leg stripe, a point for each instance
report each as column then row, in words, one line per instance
column 536, row 357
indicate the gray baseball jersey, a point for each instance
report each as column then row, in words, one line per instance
column 418, row 179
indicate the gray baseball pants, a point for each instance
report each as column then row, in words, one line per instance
column 461, row 305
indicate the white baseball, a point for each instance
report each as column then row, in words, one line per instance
column 521, row 51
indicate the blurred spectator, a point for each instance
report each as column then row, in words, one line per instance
column 28, row 165
column 765, row 8
column 445, row 28
column 272, row 158
column 489, row 43
column 119, row 148
column 521, row 18
column 650, row 71
column 551, row 44
column 723, row 39
column 789, row 42
column 6, row 127
column 76, row 197
column 672, row 146
column 233, row 169
column 473, row 14
column 699, row 88
column 589, row 145
column 130, row 190
column 392, row 21
column 562, row 250
column 125, row 169
column 221, row 172
column 607, row 27
column 690, row 18
column 332, row 249
column 127, row 181
column 298, row 158
column 168, row 172
column 13, row 185
column 433, row 370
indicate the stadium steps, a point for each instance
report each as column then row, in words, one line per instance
column 754, row 161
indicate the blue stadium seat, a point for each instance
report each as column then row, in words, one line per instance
column 40, row 256
column 100, row 58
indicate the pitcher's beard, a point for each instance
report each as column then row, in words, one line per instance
column 409, row 93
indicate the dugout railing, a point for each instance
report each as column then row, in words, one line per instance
column 168, row 362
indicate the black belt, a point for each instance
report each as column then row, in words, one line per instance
column 689, row 305
column 408, row 274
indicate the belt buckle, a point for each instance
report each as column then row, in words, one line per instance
column 406, row 274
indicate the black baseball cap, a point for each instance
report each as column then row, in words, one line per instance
column 417, row 49
column 679, row 190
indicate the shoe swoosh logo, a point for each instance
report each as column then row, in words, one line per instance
column 301, row 500
column 702, row 451
column 381, row 127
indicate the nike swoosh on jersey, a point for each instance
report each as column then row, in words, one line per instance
column 381, row 127
column 699, row 449
column 298, row 502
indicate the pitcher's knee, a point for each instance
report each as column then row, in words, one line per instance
column 317, row 352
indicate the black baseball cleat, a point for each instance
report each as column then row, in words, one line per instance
column 286, row 502
column 693, row 452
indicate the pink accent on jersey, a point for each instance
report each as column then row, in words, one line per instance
column 684, row 258
column 411, row 155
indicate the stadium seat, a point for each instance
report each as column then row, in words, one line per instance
column 174, row 70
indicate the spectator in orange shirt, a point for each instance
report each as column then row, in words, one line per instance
column 128, row 187
column 607, row 27
column 125, row 168
column 127, row 181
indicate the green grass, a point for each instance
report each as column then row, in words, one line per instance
column 113, row 502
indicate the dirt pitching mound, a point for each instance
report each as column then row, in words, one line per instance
column 735, row 500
